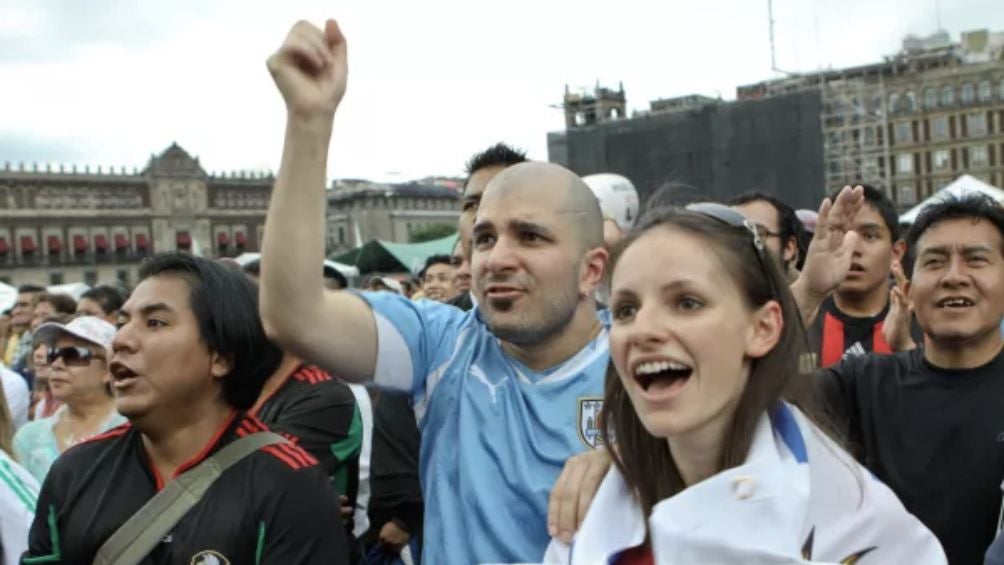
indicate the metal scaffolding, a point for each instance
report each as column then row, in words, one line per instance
column 855, row 122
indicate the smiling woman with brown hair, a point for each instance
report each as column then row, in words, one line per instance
column 718, row 458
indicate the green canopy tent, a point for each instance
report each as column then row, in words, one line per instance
column 385, row 257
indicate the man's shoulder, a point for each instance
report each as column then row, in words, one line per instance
column 311, row 386
column 883, row 365
column 277, row 460
column 312, row 381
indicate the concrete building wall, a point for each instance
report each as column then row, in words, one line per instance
column 771, row 145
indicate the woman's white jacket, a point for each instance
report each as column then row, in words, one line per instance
column 799, row 498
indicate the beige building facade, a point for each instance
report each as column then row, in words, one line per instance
column 916, row 121
column 63, row 225
column 96, row 226
column 360, row 211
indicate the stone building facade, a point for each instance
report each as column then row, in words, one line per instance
column 360, row 211
column 96, row 226
column 914, row 122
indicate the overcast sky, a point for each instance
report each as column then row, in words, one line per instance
column 110, row 82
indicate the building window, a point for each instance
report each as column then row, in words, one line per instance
column 341, row 234
column 947, row 96
column 904, row 133
column 930, row 99
column 893, row 102
column 941, row 159
column 984, row 92
column 939, row 127
column 967, row 94
column 123, row 276
column 91, row 278
column 55, row 278
column 978, row 156
column 906, row 195
column 1000, row 90
column 909, row 102
column 904, row 163
column 977, row 124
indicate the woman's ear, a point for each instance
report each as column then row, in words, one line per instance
column 766, row 325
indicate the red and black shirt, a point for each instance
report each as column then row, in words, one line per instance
column 319, row 414
column 835, row 335
column 273, row 507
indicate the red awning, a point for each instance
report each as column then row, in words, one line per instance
column 241, row 238
column 101, row 242
column 223, row 238
column 55, row 244
column 79, row 243
column 183, row 239
column 141, row 242
column 27, row 244
column 121, row 241
column 4, row 248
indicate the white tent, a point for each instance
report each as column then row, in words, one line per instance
column 8, row 296
column 348, row 271
column 963, row 185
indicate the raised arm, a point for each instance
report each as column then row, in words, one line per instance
column 335, row 330
column 829, row 255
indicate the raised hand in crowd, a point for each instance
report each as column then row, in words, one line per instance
column 311, row 70
column 896, row 328
column 828, row 257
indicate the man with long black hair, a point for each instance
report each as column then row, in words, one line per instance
column 190, row 357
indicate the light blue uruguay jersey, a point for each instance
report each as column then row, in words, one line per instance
column 495, row 434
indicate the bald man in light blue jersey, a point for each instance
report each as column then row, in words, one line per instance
column 505, row 393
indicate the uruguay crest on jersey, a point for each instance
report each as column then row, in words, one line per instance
column 590, row 421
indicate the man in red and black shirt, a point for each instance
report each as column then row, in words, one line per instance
column 851, row 321
column 190, row 357
column 318, row 413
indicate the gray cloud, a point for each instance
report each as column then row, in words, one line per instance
column 53, row 29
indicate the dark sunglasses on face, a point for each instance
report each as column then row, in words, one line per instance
column 72, row 356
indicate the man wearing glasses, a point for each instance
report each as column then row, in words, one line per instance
column 777, row 225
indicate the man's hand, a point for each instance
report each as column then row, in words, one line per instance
column 829, row 255
column 394, row 537
column 311, row 70
column 573, row 492
column 896, row 327
column 347, row 509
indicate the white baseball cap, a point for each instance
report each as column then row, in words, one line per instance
column 88, row 328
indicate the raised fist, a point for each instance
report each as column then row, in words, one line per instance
column 310, row 69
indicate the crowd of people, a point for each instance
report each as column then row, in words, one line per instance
column 721, row 383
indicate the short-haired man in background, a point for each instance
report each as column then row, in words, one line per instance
column 102, row 301
column 437, row 278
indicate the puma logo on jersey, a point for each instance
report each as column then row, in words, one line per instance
column 481, row 376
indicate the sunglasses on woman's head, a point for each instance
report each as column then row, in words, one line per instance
column 729, row 216
column 733, row 218
column 71, row 356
